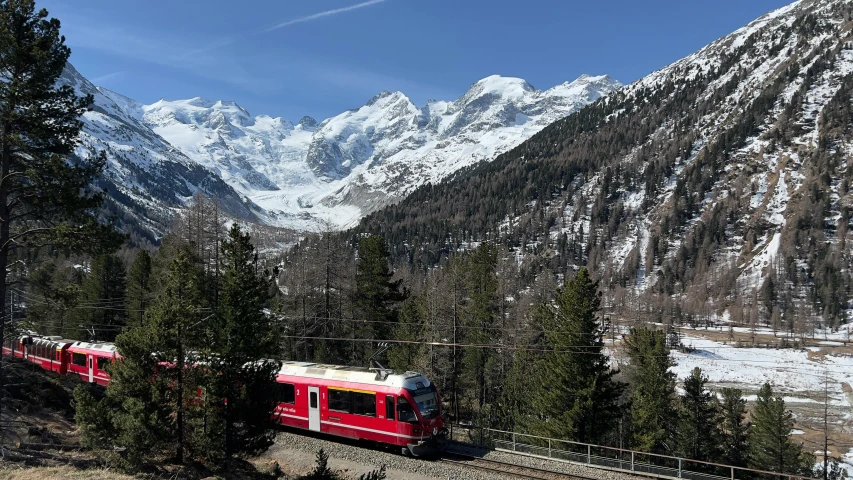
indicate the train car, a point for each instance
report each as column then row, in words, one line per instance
column 12, row 346
column 89, row 361
column 50, row 353
column 367, row 404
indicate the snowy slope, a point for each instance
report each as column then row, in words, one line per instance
column 146, row 177
column 356, row 162
column 722, row 173
column 806, row 46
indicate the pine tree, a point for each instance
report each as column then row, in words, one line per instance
column 653, row 399
column 104, row 291
column 833, row 470
column 770, row 442
column 699, row 414
column 148, row 397
column 172, row 322
column 578, row 396
column 322, row 471
column 138, row 288
column 243, row 342
column 134, row 415
column 735, row 428
column 514, row 408
column 57, row 292
column 375, row 298
column 479, row 318
column 44, row 197
column 403, row 356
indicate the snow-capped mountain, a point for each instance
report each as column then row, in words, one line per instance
column 720, row 181
column 378, row 154
column 146, row 177
column 354, row 163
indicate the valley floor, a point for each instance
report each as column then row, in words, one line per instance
column 818, row 373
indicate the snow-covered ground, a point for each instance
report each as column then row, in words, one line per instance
column 800, row 376
column 789, row 370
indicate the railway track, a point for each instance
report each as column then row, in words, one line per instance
column 505, row 468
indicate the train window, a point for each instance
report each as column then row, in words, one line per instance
column 340, row 400
column 405, row 413
column 78, row 359
column 103, row 362
column 285, row 393
column 364, row 404
column 389, row 407
column 313, row 397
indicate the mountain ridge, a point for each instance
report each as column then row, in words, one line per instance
column 722, row 177
column 330, row 173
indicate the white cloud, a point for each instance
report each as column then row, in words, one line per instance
column 326, row 13
column 101, row 80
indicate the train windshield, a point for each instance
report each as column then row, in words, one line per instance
column 426, row 399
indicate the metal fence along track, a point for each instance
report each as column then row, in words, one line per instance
column 624, row 460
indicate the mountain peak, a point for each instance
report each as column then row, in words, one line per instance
column 307, row 122
column 586, row 78
column 503, row 86
column 385, row 94
column 200, row 102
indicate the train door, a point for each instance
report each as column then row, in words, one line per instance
column 91, row 369
column 314, row 408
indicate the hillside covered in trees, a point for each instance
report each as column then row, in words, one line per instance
column 719, row 183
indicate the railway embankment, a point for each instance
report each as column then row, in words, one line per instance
column 296, row 453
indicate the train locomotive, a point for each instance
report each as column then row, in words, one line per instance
column 373, row 404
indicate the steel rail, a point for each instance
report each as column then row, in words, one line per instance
column 507, row 468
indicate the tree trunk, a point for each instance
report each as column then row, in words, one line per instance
column 229, row 426
column 4, row 252
column 180, row 412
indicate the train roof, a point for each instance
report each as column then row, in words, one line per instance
column 49, row 339
column 108, row 348
column 409, row 380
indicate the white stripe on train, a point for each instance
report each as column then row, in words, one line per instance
column 381, row 432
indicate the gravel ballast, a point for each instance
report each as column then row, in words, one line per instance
column 354, row 458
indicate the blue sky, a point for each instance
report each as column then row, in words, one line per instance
column 319, row 57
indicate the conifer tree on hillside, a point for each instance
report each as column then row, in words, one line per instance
column 44, row 197
column 138, row 287
column 479, row 317
column 103, row 302
column 514, row 409
column 174, row 318
column 55, row 292
column 404, row 356
column 699, row 412
column 375, row 297
column 653, row 400
column 771, row 447
column 735, row 428
column 244, row 343
column 578, row 396
column 134, row 414
column 149, row 397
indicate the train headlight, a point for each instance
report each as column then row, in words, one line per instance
column 435, row 430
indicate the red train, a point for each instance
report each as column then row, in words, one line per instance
column 88, row 360
column 402, row 410
column 369, row 404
